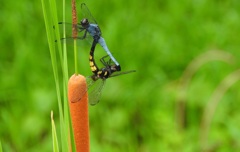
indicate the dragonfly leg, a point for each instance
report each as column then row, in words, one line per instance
column 109, row 63
column 103, row 60
column 106, row 63
column 84, row 36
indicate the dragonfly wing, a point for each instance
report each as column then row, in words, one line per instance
column 68, row 29
column 82, row 95
column 79, row 97
column 90, row 83
column 68, row 34
column 121, row 73
column 95, row 91
column 87, row 14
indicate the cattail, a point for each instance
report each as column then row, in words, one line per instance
column 79, row 111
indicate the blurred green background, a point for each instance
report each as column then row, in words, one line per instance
column 140, row 111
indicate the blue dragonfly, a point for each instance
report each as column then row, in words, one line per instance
column 88, row 25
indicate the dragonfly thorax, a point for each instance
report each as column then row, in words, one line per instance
column 101, row 74
column 104, row 73
column 94, row 31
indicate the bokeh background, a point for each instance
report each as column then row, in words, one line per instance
column 150, row 110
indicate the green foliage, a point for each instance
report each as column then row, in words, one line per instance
column 50, row 19
column 54, row 135
column 0, row 146
column 137, row 112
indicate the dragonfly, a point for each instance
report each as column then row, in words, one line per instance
column 88, row 25
column 96, row 82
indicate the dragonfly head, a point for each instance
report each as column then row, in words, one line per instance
column 84, row 23
column 115, row 68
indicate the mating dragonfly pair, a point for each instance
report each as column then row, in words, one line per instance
column 95, row 83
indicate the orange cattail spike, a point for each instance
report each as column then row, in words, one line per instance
column 79, row 111
column 74, row 19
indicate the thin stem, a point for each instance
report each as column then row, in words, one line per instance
column 74, row 33
column 75, row 56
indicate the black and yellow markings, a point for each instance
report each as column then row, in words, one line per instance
column 90, row 58
column 105, row 73
column 92, row 63
column 99, row 72
column 93, row 67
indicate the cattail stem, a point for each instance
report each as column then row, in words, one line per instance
column 74, row 33
column 79, row 111
column 74, row 19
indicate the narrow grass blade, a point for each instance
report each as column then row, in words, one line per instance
column 49, row 22
column 212, row 105
column 193, row 67
column 1, row 146
column 54, row 135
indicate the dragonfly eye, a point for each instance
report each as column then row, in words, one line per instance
column 84, row 22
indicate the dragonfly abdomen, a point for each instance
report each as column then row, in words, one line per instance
column 102, row 42
column 93, row 65
column 103, row 73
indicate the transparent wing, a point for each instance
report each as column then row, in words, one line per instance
column 92, row 87
column 95, row 87
column 90, row 82
column 121, row 73
column 68, row 28
column 68, row 31
column 81, row 95
column 94, row 90
column 87, row 14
